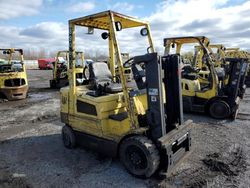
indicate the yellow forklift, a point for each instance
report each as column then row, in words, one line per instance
column 223, row 62
column 214, row 98
column 217, row 53
column 237, row 53
column 141, row 125
column 232, row 52
column 60, row 69
column 223, row 65
column 13, row 77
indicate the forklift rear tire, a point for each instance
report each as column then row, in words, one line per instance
column 219, row 109
column 52, row 84
column 68, row 136
column 140, row 156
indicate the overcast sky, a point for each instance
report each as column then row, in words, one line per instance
column 43, row 23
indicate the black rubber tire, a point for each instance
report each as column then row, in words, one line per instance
column 219, row 109
column 139, row 156
column 68, row 137
column 52, row 84
column 235, row 114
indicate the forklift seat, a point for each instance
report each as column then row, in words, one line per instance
column 188, row 72
column 190, row 76
column 101, row 77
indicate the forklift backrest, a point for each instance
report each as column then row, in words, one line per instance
column 99, row 72
column 101, row 81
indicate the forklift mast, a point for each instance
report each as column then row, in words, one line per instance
column 237, row 71
column 163, row 85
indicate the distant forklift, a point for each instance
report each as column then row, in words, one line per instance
column 237, row 53
column 222, row 66
column 224, row 62
column 13, row 77
column 60, row 69
column 217, row 53
column 143, row 126
column 213, row 98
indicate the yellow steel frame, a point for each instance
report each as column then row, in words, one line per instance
column 217, row 57
column 66, row 54
column 3, row 76
column 204, row 44
column 106, row 21
column 237, row 53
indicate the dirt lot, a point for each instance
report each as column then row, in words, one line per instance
column 32, row 153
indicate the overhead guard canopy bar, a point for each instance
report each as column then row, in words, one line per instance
column 186, row 40
column 102, row 20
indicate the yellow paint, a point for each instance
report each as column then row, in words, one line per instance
column 100, row 124
column 192, row 88
column 66, row 55
column 12, row 75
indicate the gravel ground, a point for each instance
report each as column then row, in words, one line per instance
column 32, row 153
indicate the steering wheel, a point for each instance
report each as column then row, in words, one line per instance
column 128, row 63
column 86, row 73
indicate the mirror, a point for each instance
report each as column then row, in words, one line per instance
column 118, row 26
column 6, row 52
column 144, row 31
column 105, row 35
column 148, row 49
column 90, row 30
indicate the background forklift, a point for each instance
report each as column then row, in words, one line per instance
column 237, row 53
column 213, row 98
column 223, row 65
column 60, row 69
column 143, row 126
column 13, row 77
column 226, row 63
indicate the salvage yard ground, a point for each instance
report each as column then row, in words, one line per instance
column 32, row 153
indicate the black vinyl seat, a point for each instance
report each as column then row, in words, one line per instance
column 188, row 72
column 100, row 78
column 190, row 76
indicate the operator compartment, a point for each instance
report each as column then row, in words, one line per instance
column 102, row 101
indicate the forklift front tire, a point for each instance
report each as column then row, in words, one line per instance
column 219, row 109
column 139, row 156
column 68, row 136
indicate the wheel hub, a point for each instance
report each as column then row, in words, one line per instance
column 220, row 109
column 137, row 158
